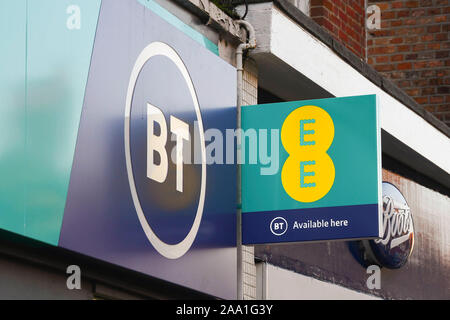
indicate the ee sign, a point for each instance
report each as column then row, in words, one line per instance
column 327, row 185
column 306, row 149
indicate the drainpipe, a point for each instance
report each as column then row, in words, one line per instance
column 250, row 44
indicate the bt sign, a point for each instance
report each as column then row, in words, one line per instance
column 134, row 200
column 157, row 144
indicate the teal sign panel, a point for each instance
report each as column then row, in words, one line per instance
column 47, row 47
column 45, row 57
column 312, row 170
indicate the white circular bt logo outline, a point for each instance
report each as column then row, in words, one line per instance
column 271, row 226
column 170, row 251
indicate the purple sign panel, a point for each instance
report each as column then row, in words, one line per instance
column 141, row 193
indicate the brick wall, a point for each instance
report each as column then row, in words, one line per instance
column 412, row 49
column 344, row 19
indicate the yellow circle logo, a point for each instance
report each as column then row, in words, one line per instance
column 308, row 173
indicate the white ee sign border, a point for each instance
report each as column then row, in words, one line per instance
column 169, row 251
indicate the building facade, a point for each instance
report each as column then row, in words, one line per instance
column 304, row 50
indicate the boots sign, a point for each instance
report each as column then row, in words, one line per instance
column 397, row 243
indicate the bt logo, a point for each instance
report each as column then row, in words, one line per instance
column 278, row 226
column 157, row 143
column 168, row 196
column 308, row 173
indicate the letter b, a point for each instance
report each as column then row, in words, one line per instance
column 157, row 172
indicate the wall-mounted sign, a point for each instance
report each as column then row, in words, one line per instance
column 115, row 159
column 397, row 243
column 312, row 171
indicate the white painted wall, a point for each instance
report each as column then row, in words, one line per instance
column 281, row 284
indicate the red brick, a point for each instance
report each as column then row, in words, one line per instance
column 382, row 41
column 404, row 84
column 316, row 12
column 434, row 46
column 411, row 56
column 420, row 83
column 441, row 37
column 413, row 39
column 411, row 4
column 434, row 11
column 434, row 64
column 442, row 54
column 443, row 108
column 397, row 57
column 328, row 4
column 426, row 20
column 418, row 47
column 404, row 66
column 343, row 36
column 427, row 91
column 426, row 3
column 433, row 29
column 382, row 50
column 397, row 4
column 439, row 19
column 404, row 13
column 384, row 67
column 336, row 21
column 359, row 8
column 352, row 13
column 381, row 33
column 383, row 6
column 410, row 22
column 396, row 23
column 420, row 65
column 421, row 100
column 403, row 48
column 437, row 99
column 387, row 15
column 443, row 90
column 417, row 13
column 426, row 38
column 396, row 41
column 412, row 92
column 382, row 59
column 397, row 75
column 343, row 16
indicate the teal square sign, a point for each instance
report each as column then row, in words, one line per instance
column 311, row 170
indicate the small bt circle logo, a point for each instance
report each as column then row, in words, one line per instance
column 278, row 226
